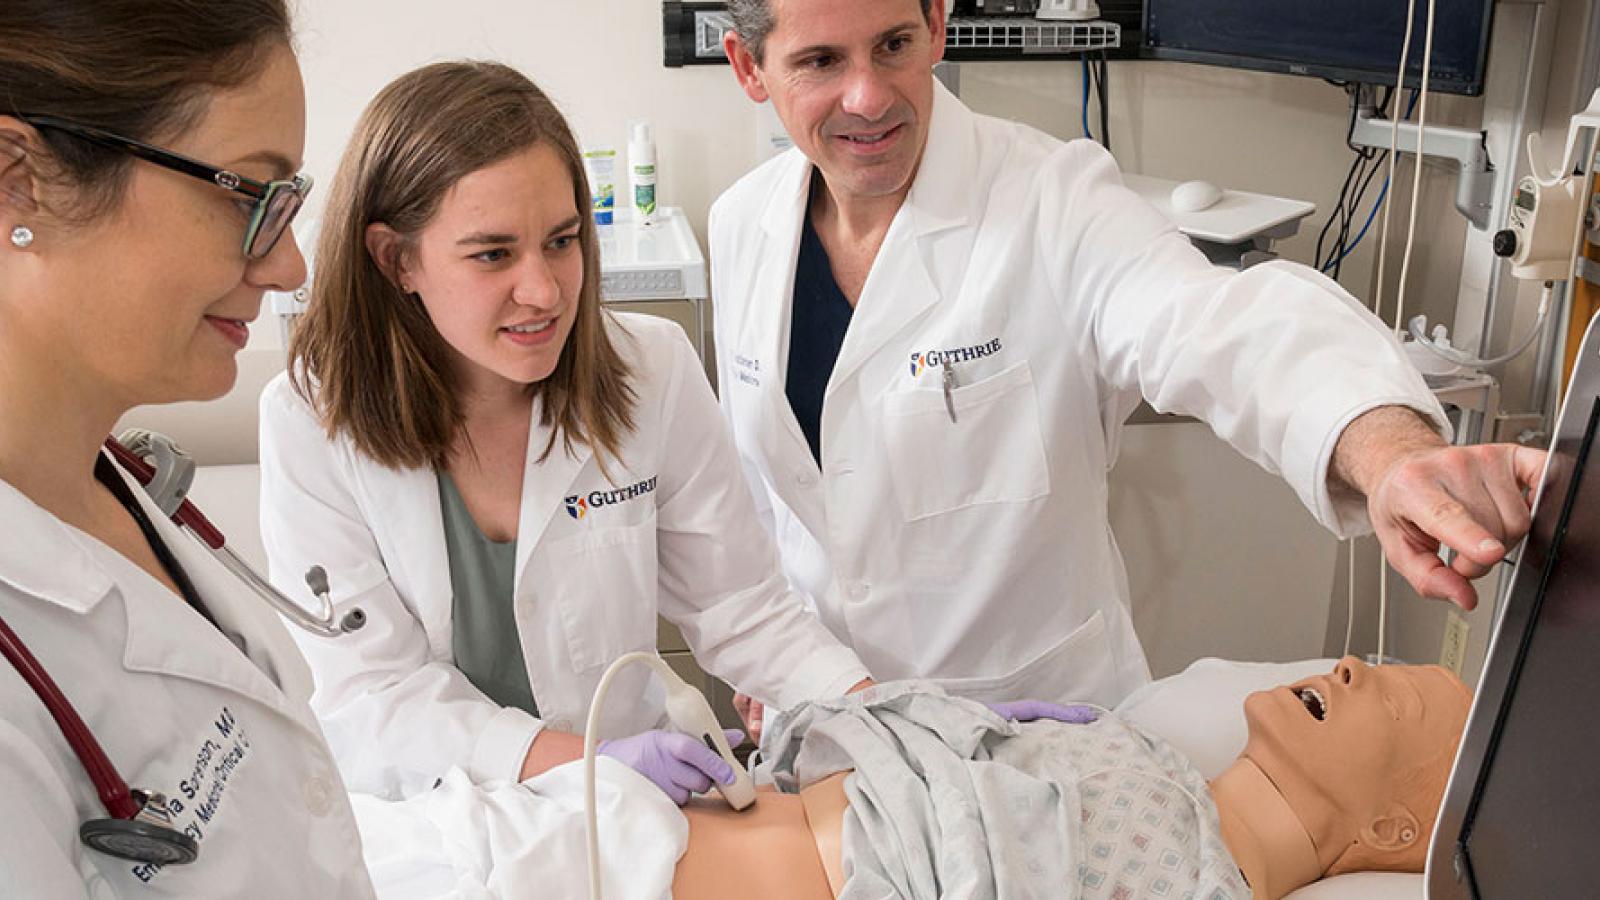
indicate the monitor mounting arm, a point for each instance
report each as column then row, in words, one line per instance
column 1474, row 186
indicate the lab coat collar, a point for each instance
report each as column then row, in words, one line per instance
column 938, row 201
column 766, row 332
column 786, row 203
column 546, row 483
column 902, row 285
column 274, row 671
column 406, row 502
column 44, row 557
column 51, row 561
column 940, row 197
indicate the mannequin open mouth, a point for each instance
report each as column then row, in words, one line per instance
column 1314, row 702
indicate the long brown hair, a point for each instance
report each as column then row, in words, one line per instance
column 139, row 68
column 365, row 353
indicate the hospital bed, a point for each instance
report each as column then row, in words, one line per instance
column 1200, row 710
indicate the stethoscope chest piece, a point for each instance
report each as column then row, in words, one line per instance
column 146, row 838
column 138, row 841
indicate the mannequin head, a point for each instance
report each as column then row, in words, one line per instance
column 1361, row 756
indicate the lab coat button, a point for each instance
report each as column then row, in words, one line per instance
column 805, row 477
column 859, row 590
column 319, row 796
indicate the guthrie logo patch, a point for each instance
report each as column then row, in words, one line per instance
column 580, row 505
column 931, row 359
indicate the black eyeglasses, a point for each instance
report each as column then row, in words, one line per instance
column 275, row 202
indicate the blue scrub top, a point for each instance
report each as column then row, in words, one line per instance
column 817, row 325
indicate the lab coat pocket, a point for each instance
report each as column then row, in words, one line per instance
column 606, row 585
column 992, row 453
column 1078, row 668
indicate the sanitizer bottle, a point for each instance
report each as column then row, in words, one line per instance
column 642, row 172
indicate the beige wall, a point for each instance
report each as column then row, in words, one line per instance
column 600, row 60
column 1222, row 559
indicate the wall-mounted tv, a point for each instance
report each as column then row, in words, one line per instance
column 1346, row 40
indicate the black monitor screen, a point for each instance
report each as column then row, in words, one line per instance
column 1351, row 40
column 1535, row 814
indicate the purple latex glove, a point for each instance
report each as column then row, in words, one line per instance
column 678, row 764
column 1029, row 710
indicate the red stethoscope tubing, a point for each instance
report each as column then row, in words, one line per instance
column 114, row 793
column 187, row 515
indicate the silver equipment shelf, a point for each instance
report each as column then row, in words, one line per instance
column 1031, row 36
column 693, row 36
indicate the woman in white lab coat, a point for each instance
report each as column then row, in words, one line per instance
column 128, row 275
column 511, row 482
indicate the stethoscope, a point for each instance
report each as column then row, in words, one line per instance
column 139, row 827
column 167, row 482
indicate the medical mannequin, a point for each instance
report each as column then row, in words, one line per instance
column 1363, row 782
column 1354, row 790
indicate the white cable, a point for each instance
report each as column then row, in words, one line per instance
column 1383, row 602
column 1463, row 358
column 590, row 742
column 1411, row 236
column 687, row 710
column 1350, row 603
column 1416, row 178
column 1394, row 143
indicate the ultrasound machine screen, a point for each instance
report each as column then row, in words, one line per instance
column 1522, row 813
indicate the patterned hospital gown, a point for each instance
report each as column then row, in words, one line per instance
column 1140, row 834
column 950, row 800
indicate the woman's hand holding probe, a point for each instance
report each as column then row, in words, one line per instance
column 1031, row 710
column 677, row 763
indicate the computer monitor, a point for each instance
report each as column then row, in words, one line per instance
column 1522, row 811
column 1349, row 40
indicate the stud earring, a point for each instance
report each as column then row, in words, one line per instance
column 21, row 236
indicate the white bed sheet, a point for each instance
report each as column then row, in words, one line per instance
column 462, row 841
column 1200, row 711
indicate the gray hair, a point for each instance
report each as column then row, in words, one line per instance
column 754, row 20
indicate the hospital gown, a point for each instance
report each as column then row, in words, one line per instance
column 950, row 800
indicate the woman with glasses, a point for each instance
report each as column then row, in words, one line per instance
column 155, row 739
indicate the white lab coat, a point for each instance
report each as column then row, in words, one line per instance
column 978, row 552
column 590, row 580
column 226, row 735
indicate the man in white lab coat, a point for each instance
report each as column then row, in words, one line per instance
column 931, row 325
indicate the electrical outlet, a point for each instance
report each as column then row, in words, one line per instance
column 1455, row 642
